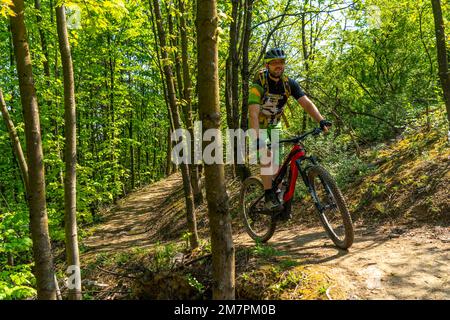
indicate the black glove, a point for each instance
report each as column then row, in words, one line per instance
column 324, row 123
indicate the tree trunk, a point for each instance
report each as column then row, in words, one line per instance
column 170, row 166
column 444, row 74
column 37, row 6
column 11, row 55
column 229, row 112
column 245, row 63
column 174, row 43
column 15, row 141
column 187, row 88
column 228, row 94
column 243, row 171
column 46, row 65
column 10, row 259
column 70, row 153
column 130, row 131
column 222, row 246
column 56, row 94
column 305, row 58
column 232, row 80
column 234, row 39
column 168, row 153
column 191, row 219
column 43, row 269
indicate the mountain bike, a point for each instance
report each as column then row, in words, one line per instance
column 260, row 223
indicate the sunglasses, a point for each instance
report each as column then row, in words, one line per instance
column 277, row 62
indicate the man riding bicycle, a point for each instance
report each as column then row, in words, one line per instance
column 268, row 95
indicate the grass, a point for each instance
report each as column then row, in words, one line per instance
column 410, row 179
column 300, row 282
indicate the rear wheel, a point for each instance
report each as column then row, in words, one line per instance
column 330, row 203
column 258, row 223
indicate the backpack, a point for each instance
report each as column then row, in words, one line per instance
column 262, row 75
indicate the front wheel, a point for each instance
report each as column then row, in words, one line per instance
column 258, row 223
column 330, row 203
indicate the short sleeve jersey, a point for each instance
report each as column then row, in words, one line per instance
column 276, row 93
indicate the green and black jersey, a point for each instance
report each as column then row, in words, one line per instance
column 277, row 92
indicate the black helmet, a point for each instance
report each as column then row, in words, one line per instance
column 275, row 53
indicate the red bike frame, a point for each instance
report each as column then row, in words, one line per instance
column 297, row 152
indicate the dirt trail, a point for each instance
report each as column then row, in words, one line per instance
column 381, row 264
column 384, row 263
column 127, row 225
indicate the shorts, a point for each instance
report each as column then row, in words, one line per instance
column 271, row 132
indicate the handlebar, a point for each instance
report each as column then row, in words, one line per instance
column 297, row 139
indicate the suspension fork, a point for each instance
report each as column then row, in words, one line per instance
column 304, row 171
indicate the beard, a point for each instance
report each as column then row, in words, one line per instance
column 276, row 73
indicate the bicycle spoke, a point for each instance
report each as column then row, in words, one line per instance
column 329, row 209
column 258, row 223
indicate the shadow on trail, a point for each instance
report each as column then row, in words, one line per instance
column 312, row 245
column 411, row 265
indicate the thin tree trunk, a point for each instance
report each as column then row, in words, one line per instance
column 222, row 246
column 130, row 131
column 43, row 259
column 430, row 60
column 11, row 54
column 444, row 74
column 245, row 77
column 174, row 43
column 70, row 153
column 305, row 58
column 234, row 53
column 15, row 143
column 10, row 259
column 46, row 65
column 229, row 114
column 191, row 219
column 231, row 82
column 141, row 120
column 168, row 154
column 111, row 70
column 245, row 63
column 37, row 6
column 228, row 94
column 170, row 166
column 56, row 93
column 234, row 73
column 187, row 88
column 2, row 189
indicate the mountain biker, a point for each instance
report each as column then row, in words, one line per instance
column 268, row 95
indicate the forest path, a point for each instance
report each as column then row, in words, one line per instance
column 127, row 225
column 385, row 262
